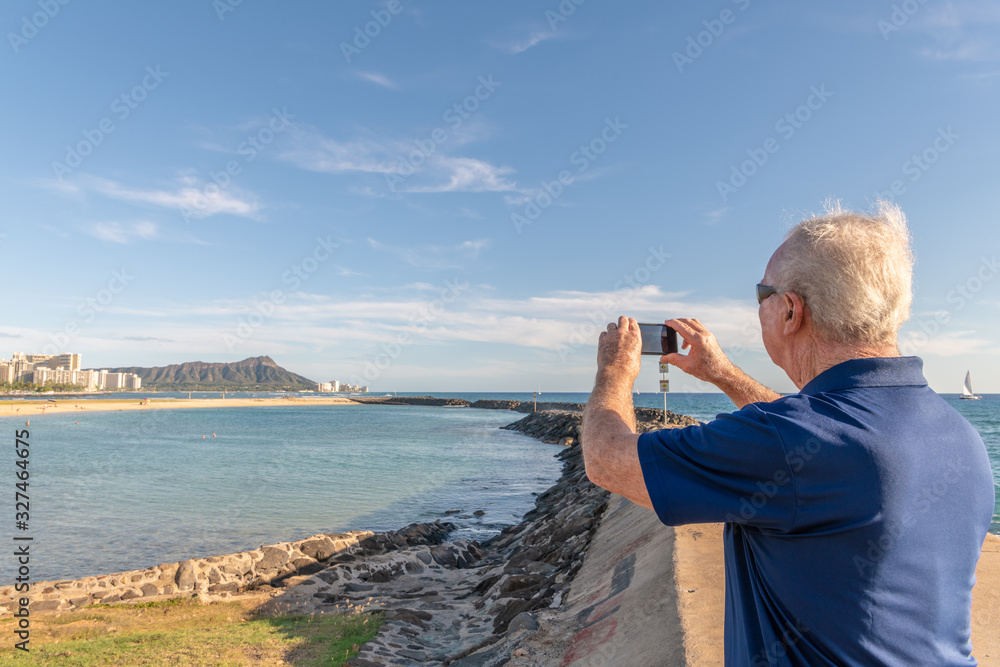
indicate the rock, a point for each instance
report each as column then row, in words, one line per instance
column 414, row 567
column 424, row 557
column 319, row 549
column 185, row 577
column 358, row 588
column 149, row 589
column 523, row 621
column 452, row 511
column 543, row 569
column 521, row 585
column 445, row 555
column 419, row 656
column 272, row 559
column 479, row 513
column 45, row 605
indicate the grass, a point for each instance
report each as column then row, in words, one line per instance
column 188, row 632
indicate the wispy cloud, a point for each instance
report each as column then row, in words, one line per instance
column 435, row 172
column 190, row 194
column 468, row 175
column 123, row 233
column 434, row 257
column 521, row 45
column 713, row 217
column 378, row 79
column 962, row 31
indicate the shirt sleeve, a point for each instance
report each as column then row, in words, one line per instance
column 732, row 469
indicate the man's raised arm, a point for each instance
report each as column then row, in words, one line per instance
column 706, row 361
column 608, row 438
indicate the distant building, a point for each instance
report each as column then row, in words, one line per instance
column 325, row 387
column 88, row 379
column 114, row 381
column 42, row 375
column 68, row 361
column 133, row 381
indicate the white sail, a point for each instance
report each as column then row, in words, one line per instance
column 967, row 387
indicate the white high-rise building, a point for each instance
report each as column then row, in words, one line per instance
column 42, row 375
column 87, row 379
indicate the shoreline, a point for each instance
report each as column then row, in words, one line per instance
column 65, row 406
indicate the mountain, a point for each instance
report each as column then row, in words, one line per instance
column 253, row 373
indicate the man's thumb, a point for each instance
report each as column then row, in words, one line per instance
column 672, row 358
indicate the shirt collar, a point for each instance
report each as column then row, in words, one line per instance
column 872, row 372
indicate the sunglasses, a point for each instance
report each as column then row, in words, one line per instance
column 764, row 291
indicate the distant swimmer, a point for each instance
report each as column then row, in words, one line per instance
column 202, row 437
column 213, row 435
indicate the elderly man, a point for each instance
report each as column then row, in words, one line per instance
column 854, row 510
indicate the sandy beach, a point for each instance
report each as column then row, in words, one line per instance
column 40, row 408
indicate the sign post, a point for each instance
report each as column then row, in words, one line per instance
column 664, row 388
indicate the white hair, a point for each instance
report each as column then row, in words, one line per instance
column 853, row 270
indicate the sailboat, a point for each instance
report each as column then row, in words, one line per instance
column 967, row 388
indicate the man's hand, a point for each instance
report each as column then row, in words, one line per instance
column 619, row 349
column 706, row 361
column 608, row 437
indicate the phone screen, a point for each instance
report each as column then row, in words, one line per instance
column 658, row 339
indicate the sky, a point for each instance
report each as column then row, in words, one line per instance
column 458, row 196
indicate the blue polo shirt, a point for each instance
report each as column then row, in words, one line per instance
column 854, row 515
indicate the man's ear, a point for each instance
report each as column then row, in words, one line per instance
column 794, row 312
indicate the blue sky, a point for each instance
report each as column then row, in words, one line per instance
column 447, row 196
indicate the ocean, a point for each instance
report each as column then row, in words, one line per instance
column 127, row 490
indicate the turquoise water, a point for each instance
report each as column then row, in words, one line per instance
column 126, row 490
column 983, row 414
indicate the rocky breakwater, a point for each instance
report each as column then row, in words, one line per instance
column 468, row 604
column 413, row 400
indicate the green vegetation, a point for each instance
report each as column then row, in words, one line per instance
column 188, row 632
column 27, row 386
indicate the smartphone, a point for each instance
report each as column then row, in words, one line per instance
column 658, row 339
